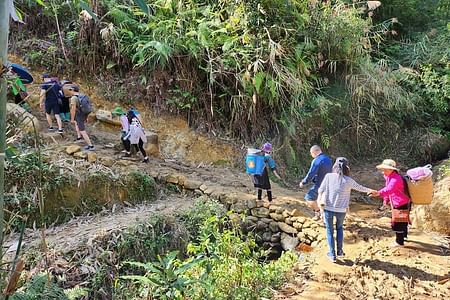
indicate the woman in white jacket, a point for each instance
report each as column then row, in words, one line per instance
column 135, row 135
column 334, row 198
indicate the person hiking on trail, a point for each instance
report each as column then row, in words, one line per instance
column 334, row 198
column 320, row 166
column 64, row 107
column 262, row 182
column 135, row 135
column 79, row 116
column 50, row 100
column 119, row 112
column 394, row 194
column 19, row 90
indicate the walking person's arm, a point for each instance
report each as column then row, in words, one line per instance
column 273, row 166
column 42, row 99
column 356, row 186
column 311, row 173
column 73, row 109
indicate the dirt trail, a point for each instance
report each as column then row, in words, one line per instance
column 371, row 269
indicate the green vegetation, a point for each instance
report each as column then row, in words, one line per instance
column 338, row 73
column 40, row 287
column 219, row 263
column 65, row 196
column 43, row 286
column 197, row 254
column 140, row 187
column 223, row 264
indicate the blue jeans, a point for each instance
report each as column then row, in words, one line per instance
column 329, row 216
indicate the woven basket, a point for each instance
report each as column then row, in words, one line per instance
column 421, row 191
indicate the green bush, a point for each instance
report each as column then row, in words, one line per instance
column 222, row 264
column 140, row 186
column 40, row 287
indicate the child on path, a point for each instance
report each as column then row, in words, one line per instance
column 394, row 194
column 334, row 198
column 135, row 135
column 77, row 117
column 118, row 111
column 262, row 182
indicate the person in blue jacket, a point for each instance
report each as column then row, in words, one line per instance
column 262, row 182
column 320, row 166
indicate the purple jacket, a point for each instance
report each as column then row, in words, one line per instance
column 394, row 190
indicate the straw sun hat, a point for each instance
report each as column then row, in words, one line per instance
column 388, row 164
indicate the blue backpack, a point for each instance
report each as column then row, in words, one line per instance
column 255, row 163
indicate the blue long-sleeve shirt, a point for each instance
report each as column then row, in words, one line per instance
column 320, row 166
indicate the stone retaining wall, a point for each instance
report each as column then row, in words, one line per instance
column 275, row 226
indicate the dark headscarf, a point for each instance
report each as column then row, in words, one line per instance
column 341, row 166
column 130, row 115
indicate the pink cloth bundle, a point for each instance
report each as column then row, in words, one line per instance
column 420, row 173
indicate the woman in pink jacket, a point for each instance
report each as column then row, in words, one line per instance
column 394, row 194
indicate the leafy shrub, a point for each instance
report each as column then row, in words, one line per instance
column 40, row 287
column 140, row 186
column 223, row 264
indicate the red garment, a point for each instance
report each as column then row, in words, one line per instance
column 394, row 190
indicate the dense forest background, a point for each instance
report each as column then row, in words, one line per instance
column 364, row 78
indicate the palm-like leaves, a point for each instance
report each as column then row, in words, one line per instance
column 166, row 276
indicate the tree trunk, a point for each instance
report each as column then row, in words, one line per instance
column 4, row 29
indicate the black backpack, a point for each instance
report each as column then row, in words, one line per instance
column 84, row 104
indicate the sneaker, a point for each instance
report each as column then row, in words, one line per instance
column 51, row 128
column 146, row 160
column 60, row 130
column 340, row 255
column 123, row 151
column 395, row 245
column 316, row 216
column 331, row 258
column 89, row 148
column 78, row 139
column 127, row 154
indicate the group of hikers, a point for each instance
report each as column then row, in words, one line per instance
column 63, row 101
column 329, row 196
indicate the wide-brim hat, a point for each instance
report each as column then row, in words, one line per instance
column 388, row 164
column 118, row 111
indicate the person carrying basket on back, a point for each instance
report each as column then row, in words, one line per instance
column 395, row 194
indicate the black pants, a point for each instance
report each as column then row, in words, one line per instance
column 65, row 105
column 18, row 99
column 401, row 228
column 127, row 145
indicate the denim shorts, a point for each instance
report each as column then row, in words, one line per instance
column 312, row 194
